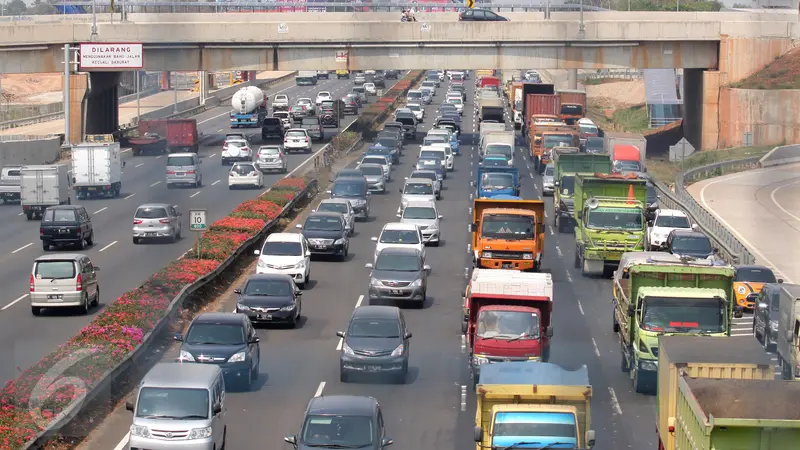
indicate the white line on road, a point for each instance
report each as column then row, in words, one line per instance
column 155, row 184
column 320, row 388
column 159, row 156
column 614, row 401
column 341, row 340
column 107, row 246
column 212, row 155
column 569, row 277
column 215, row 182
column 22, row 248
column 551, row 230
column 100, row 210
column 596, row 349
column 129, row 196
column 13, row 303
column 580, row 308
column 21, row 214
column 195, row 194
column 558, row 250
column 139, row 165
column 123, row 442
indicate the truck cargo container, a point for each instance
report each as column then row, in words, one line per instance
column 10, row 184
column 306, row 78
column 149, row 137
column 736, row 414
column 568, row 162
column 43, row 186
column 573, row 105
column 539, row 404
column 667, row 295
column 491, row 109
column 788, row 336
column 534, row 89
column 507, row 234
column 626, row 150
column 538, row 104
column 97, row 169
column 735, row 357
column 182, row 136
column 507, row 317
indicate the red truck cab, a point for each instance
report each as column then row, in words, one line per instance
column 488, row 81
column 507, row 317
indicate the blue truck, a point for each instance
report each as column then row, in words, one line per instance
column 249, row 108
column 494, row 181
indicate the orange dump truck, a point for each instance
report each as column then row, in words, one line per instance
column 507, row 234
column 573, row 105
column 547, row 135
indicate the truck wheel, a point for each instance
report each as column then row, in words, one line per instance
column 638, row 385
column 45, row 246
column 29, row 215
column 577, row 258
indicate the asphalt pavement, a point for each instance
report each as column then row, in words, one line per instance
column 429, row 410
column 123, row 265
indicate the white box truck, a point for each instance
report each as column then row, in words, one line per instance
column 43, row 186
column 97, row 169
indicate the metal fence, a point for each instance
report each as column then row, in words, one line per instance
column 620, row 74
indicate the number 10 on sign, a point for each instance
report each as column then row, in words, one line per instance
column 197, row 222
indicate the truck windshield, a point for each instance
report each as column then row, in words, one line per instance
column 541, row 427
column 588, row 129
column 675, row 314
column 497, row 181
column 627, row 166
column 505, row 226
column 508, row 325
column 558, row 140
column 549, row 171
column 567, row 183
column 572, row 110
column 499, row 149
column 615, row 219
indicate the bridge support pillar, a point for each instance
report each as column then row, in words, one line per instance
column 78, row 88
column 572, row 78
column 102, row 103
column 204, row 78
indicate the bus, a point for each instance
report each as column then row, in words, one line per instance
column 306, row 78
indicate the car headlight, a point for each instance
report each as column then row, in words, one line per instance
column 478, row 360
column 242, row 307
column 433, row 226
column 773, row 325
column 288, row 308
column 486, row 255
column 648, row 365
column 262, row 264
column 199, row 433
column 140, row 431
column 238, row 357
column 399, row 350
column 185, row 356
column 528, row 256
column 416, row 283
column 741, row 290
column 300, row 265
column 339, row 241
column 374, row 282
column 347, row 350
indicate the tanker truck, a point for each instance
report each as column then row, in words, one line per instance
column 249, row 107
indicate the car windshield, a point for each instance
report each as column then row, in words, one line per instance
column 418, row 212
column 59, row 215
column 691, row 245
column 588, row 129
column 243, row 169
column 178, row 161
column 387, row 142
column 672, row 222
column 508, row 227
column 427, row 175
column 379, row 150
column 310, row 121
column 454, row 100
column 558, row 140
column 277, row 248
column 429, row 162
column 398, row 262
column 338, row 431
column 432, row 154
column 549, row 171
column 627, row 166
column 414, row 108
column 379, row 160
column 495, row 162
column 374, row 328
column 150, row 213
column 755, row 275
column 322, row 223
column 418, row 189
column 172, row 403
column 348, row 189
column 429, row 140
column 371, row 170
column 298, row 108
column 414, row 94
column 360, row 90
column 215, row 333
column 55, row 270
column 594, row 143
column 269, row 288
column 333, row 207
column 497, row 181
column 410, row 237
column 615, row 219
column 508, row 325
column 680, row 314
column 296, row 134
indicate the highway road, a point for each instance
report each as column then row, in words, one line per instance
column 123, row 265
column 427, row 412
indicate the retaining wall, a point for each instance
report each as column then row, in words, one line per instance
column 40, row 151
column 770, row 115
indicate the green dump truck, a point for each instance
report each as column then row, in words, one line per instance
column 539, row 404
column 566, row 164
column 668, row 297
column 735, row 357
column 609, row 220
column 736, row 414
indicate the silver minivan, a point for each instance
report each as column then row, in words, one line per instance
column 156, row 220
column 179, row 406
column 184, row 169
column 63, row 280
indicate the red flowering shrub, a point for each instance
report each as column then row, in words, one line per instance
column 32, row 400
column 257, row 209
column 219, row 245
column 290, row 183
column 279, row 197
column 239, row 225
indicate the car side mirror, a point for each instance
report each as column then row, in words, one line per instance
column 398, row 215
column 123, row 164
column 426, row 268
column 477, row 434
column 373, row 239
column 328, row 192
column 237, row 291
column 313, row 210
column 407, row 336
column 695, row 227
column 400, row 190
column 441, row 217
column 255, row 340
column 385, row 442
column 216, row 409
column 549, row 332
column 631, row 310
column 291, row 439
column 299, row 226
column 590, row 439
column 178, row 337
column 715, row 250
column 256, row 252
column 762, row 306
column 129, row 405
column 368, row 265
column 96, row 268
column 340, row 334
column 780, row 280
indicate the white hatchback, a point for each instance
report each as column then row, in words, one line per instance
column 297, row 140
column 370, row 88
column 286, row 253
column 245, row 174
column 397, row 234
column 323, row 96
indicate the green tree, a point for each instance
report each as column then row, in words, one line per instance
column 42, row 7
column 15, row 8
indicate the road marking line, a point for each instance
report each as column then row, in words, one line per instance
column 212, row 155
column 21, row 214
column 596, row 349
column 551, row 230
column 580, row 307
column 320, row 389
column 569, row 277
column 155, row 184
column 22, row 248
column 360, row 299
column 215, row 182
column 13, row 303
column 614, row 401
column 129, row 196
column 558, row 250
column 107, row 246
column 159, row 156
column 123, row 442
column 100, row 210
column 139, row 165
column 195, row 194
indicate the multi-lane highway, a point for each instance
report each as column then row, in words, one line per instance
column 428, row 411
column 123, row 265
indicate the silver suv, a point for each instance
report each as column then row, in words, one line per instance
column 425, row 215
column 416, row 189
column 156, row 220
column 183, row 168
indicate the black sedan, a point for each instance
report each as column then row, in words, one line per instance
column 270, row 298
column 480, row 15
column 327, row 234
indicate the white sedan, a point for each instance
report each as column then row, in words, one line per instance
column 323, row 96
column 245, row 175
column 370, row 88
column 418, row 110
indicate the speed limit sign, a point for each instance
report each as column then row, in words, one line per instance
column 197, row 220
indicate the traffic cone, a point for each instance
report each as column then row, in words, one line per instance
column 631, row 197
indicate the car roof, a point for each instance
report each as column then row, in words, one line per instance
column 60, row 257
column 343, row 405
column 337, row 201
column 400, row 251
column 324, row 214
column 181, row 154
column 376, row 312
column 751, row 267
column 422, row 204
column 297, row 129
column 359, row 178
column 683, row 232
column 154, row 205
column 418, row 180
column 179, row 375
column 672, row 213
column 284, row 237
column 63, row 207
column 220, row 317
column 400, row 226
column 271, row 276
column 371, row 165
column 423, row 172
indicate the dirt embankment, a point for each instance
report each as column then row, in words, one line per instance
column 29, row 88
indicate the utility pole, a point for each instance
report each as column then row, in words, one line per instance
column 94, row 22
